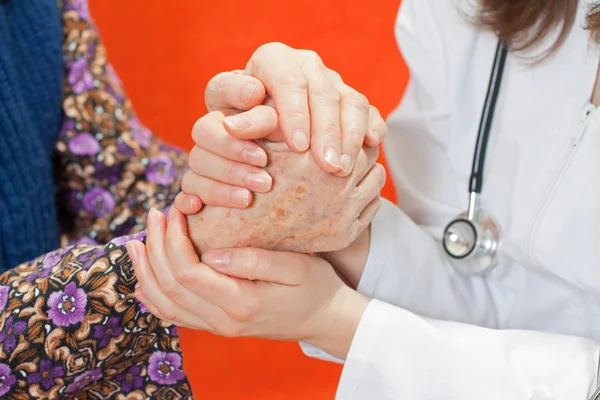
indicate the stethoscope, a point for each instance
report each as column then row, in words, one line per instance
column 472, row 239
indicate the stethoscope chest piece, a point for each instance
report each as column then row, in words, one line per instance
column 472, row 242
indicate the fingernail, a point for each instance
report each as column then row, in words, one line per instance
column 255, row 157
column 238, row 122
column 218, row 259
column 300, row 140
column 137, row 286
column 133, row 252
column 332, row 157
column 247, row 92
column 259, row 182
column 346, row 162
column 240, row 197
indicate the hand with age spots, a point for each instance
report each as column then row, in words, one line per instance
column 306, row 210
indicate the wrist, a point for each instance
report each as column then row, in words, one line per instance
column 340, row 322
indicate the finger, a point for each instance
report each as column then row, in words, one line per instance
column 369, row 212
column 257, row 123
column 354, row 124
column 285, row 82
column 188, row 203
column 209, row 165
column 233, row 90
column 207, row 283
column 377, row 130
column 214, row 193
column 209, row 133
column 141, row 297
column 365, row 160
column 258, row 264
column 370, row 186
column 164, row 307
column 324, row 101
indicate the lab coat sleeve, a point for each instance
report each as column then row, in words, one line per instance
column 399, row 355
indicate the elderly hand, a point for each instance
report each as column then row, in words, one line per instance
column 307, row 210
column 316, row 109
column 243, row 292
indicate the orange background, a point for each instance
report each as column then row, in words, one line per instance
column 166, row 51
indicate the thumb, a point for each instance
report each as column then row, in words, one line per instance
column 259, row 265
column 258, row 123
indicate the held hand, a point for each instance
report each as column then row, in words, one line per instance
column 307, row 210
column 243, row 292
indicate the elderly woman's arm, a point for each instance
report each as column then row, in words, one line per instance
column 110, row 168
column 68, row 320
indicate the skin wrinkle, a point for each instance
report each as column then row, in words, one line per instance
column 307, row 209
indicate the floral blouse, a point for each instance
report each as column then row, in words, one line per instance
column 69, row 324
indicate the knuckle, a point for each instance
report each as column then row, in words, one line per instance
column 292, row 81
column 186, row 184
column 357, row 100
column 244, row 311
column 171, row 289
column 312, row 56
column 330, row 130
column 252, row 262
column 232, row 173
column 201, row 129
column 325, row 92
column 182, row 276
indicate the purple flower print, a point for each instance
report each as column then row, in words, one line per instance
column 161, row 170
column 10, row 332
column 111, row 173
column 90, row 257
column 46, row 375
column 165, row 368
column 125, row 150
column 98, row 201
column 50, row 260
column 85, row 380
column 3, row 297
column 122, row 240
column 106, row 332
column 85, row 240
column 67, row 126
column 6, row 379
column 80, row 76
column 68, row 307
column 139, row 132
column 130, row 379
column 84, row 144
column 80, row 6
column 143, row 308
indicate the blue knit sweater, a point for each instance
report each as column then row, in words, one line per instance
column 30, row 114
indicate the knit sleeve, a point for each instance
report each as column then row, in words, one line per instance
column 72, row 328
column 110, row 168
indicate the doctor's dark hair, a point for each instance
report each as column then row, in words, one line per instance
column 525, row 23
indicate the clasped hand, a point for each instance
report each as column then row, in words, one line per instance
column 310, row 202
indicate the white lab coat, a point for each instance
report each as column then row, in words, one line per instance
column 529, row 329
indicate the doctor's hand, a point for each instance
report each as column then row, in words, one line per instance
column 314, row 109
column 245, row 291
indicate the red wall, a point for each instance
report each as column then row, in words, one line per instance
column 166, row 51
